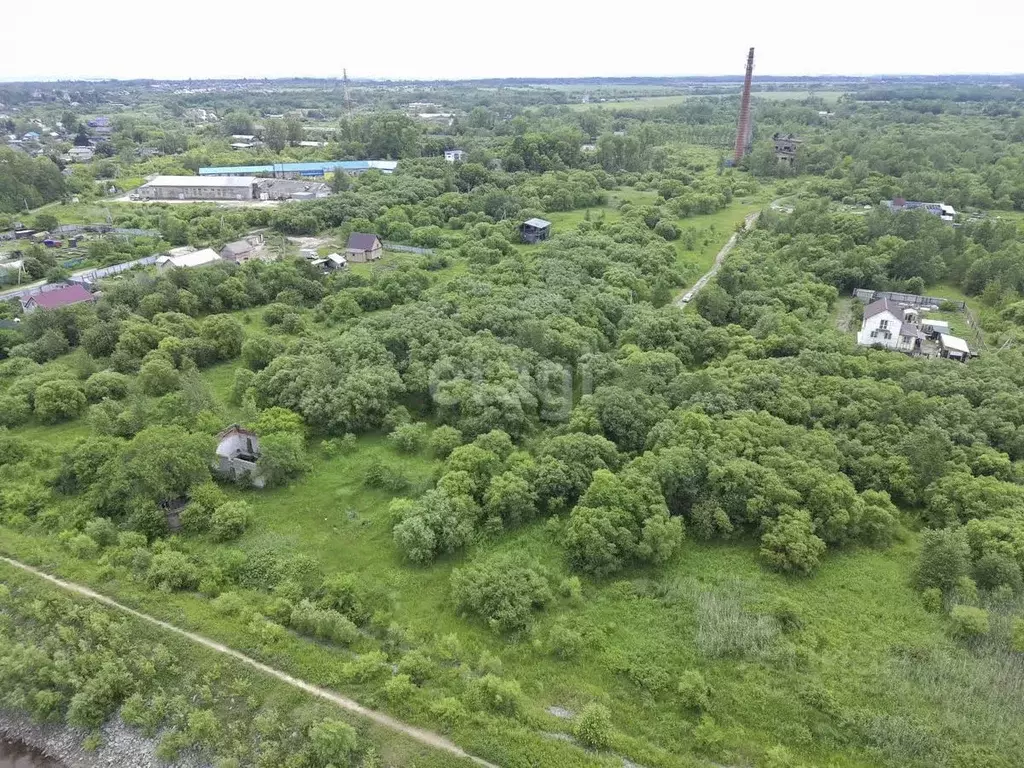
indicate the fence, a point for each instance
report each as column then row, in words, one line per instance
column 867, row 294
column 408, row 249
column 87, row 278
column 105, row 229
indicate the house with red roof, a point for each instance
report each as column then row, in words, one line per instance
column 58, row 297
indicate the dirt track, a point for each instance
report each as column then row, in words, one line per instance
column 692, row 292
column 429, row 738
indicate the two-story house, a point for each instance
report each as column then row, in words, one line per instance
column 888, row 325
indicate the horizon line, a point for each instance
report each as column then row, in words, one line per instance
column 273, row 78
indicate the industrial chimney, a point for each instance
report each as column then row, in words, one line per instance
column 743, row 128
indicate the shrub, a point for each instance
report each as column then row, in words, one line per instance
column 408, row 438
column 173, row 570
column 276, row 419
column 1017, row 636
column 943, row 560
column 564, row 641
column 229, row 520
column 282, row 456
column 229, row 604
column 240, row 385
column 102, row 531
column 367, row 667
column 105, row 385
column 996, row 569
column 450, row 711
column 384, row 477
column 418, row 666
column 694, row 691
column 789, row 543
column 932, row 599
column 59, row 399
column 502, row 590
column 968, row 622
column 707, row 736
column 83, row 547
column 592, row 727
column 332, row 742
column 502, row 697
column 965, row 591
column 203, row 500
column 787, row 613
column 158, row 377
column 399, row 690
column 324, row 623
column 444, row 440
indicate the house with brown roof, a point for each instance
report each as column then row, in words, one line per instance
column 363, row 247
column 59, row 297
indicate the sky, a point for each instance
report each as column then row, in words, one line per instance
column 463, row 39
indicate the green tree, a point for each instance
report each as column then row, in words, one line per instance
column 282, row 456
column 944, row 559
column 58, row 400
column 502, row 590
column 789, row 544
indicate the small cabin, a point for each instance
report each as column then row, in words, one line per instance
column 362, row 247
column 238, row 451
column 954, row 348
column 535, row 230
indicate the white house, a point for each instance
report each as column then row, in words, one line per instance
column 888, row 325
column 454, row 155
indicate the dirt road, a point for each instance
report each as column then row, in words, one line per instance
column 428, row 738
column 691, row 293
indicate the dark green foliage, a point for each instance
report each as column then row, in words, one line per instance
column 503, row 591
column 943, row 561
column 282, row 456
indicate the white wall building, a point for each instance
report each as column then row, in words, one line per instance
column 198, row 188
column 189, row 260
column 888, row 325
column 454, row 155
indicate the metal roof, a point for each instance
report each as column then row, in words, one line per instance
column 386, row 166
column 361, row 241
column 62, row 297
column 538, row 223
column 194, row 259
column 196, row 181
column 954, row 343
column 877, row 307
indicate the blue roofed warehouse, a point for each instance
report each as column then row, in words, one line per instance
column 297, row 170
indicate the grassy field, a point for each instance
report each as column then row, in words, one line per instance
column 646, row 102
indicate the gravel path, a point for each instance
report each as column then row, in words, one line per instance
column 421, row 735
column 123, row 747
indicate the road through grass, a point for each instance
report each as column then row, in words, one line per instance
column 429, row 738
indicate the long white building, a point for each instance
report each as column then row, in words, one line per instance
column 199, row 188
